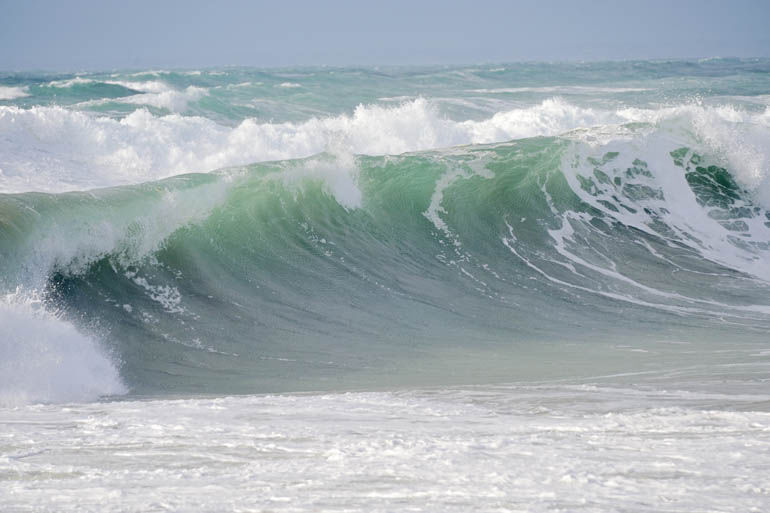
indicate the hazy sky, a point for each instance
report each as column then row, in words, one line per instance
column 76, row 34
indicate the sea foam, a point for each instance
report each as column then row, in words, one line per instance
column 13, row 93
column 56, row 149
column 44, row 358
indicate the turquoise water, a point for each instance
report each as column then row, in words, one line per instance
column 246, row 231
column 528, row 287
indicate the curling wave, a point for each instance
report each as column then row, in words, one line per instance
column 392, row 245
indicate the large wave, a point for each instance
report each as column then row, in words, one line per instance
column 347, row 271
column 391, row 244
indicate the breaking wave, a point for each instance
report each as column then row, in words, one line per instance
column 155, row 251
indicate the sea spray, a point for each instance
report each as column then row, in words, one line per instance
column 44, row 358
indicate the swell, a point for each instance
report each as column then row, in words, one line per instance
column 536, row 258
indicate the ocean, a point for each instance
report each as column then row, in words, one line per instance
column 509, row 287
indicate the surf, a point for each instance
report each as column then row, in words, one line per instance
column 157, row 238
column 351, row 272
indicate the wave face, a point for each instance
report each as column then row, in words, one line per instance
column 246, row 231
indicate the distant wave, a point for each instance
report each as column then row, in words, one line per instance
column 13, row 93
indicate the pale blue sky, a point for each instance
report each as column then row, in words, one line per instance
column 78, row 34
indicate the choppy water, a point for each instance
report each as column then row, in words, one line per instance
column 405, row 234
column 512, row 448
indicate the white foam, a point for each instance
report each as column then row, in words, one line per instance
column 337, row 173
column 43, row 358
column 742, row 140
column 487, row 449
column 153, row 93
column 167, row 296
column 63, row 84
column 561, row 90
column 678, row 207
column 739, row 137
column 551, row 117
column 13, row 93
column 149, row 86
column 454, row 173
column 55, row 149
column 173, row 100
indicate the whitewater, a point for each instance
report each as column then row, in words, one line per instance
column 519, row 287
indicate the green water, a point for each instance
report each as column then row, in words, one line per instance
column 240, row 230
